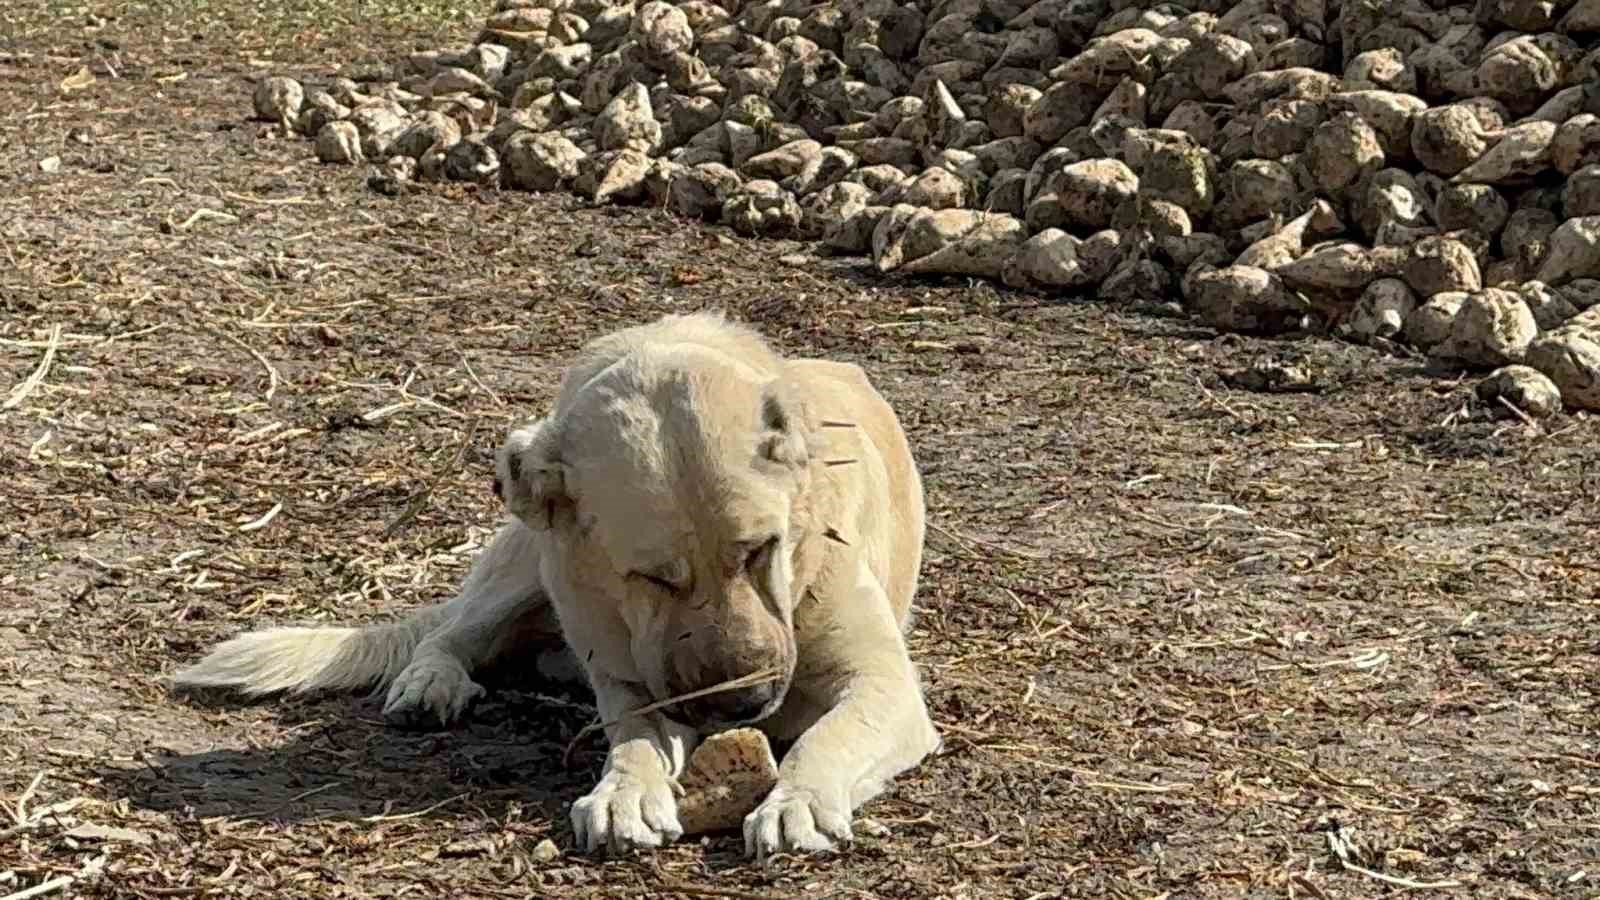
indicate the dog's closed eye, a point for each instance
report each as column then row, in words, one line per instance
column 759, row 555
column 659, row 582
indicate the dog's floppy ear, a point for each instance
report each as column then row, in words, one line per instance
column 529, row 477
column 783, row 439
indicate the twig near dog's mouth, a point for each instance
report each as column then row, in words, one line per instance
column 754, row 678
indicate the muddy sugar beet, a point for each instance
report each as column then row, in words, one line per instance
column 1379, row 171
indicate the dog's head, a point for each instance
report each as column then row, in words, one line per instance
column 671, row 484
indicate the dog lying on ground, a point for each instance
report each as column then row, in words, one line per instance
column 695, row 509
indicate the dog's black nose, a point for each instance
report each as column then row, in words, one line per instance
column 730, row 707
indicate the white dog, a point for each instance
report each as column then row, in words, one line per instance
column 695, row 509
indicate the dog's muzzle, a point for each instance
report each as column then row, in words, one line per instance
column 737, row 707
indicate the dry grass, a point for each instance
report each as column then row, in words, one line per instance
column 1182, row 640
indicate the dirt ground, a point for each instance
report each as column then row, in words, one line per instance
column 1182, row 639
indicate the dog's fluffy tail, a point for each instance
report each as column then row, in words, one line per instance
column 301, row 660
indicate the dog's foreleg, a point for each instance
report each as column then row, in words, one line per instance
column 634, row 805
column 502, row 588
column 876, row 727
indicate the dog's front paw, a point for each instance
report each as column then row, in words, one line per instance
column 431, row 692
column 796, row 820
column 626, row 812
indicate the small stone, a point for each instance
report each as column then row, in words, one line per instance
column 546, row 852
column 1523, row 387
column 1520, row 72
column 1389, row 113
column 1582, row 293
column 1254, row 189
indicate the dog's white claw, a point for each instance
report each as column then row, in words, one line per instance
column 625, row 813
column 795, row 820
column 433, row 687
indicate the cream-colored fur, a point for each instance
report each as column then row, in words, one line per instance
column 694, row 509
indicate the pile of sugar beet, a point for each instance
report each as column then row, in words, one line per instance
column 1399, row 172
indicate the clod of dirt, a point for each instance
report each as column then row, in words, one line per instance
column 1382, row 310
column 1429, row 324
column 277, row 99
column 1271, row 377
column 1526, row 389
column 1570, row 359
column 535, row 161
column 1440, row 264
column 339, row 142
column 1493, row 328
column 727, row 776
column 1574, row 251
column 950, row 242
column 1048, row 259
column 1521, row 153
column 1330, row 146
column 546, row 851
column 627, row 122
column 761, row 207
column 1245, row 299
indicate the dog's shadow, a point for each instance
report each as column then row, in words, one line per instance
column 335, row 758
column 516, row 756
